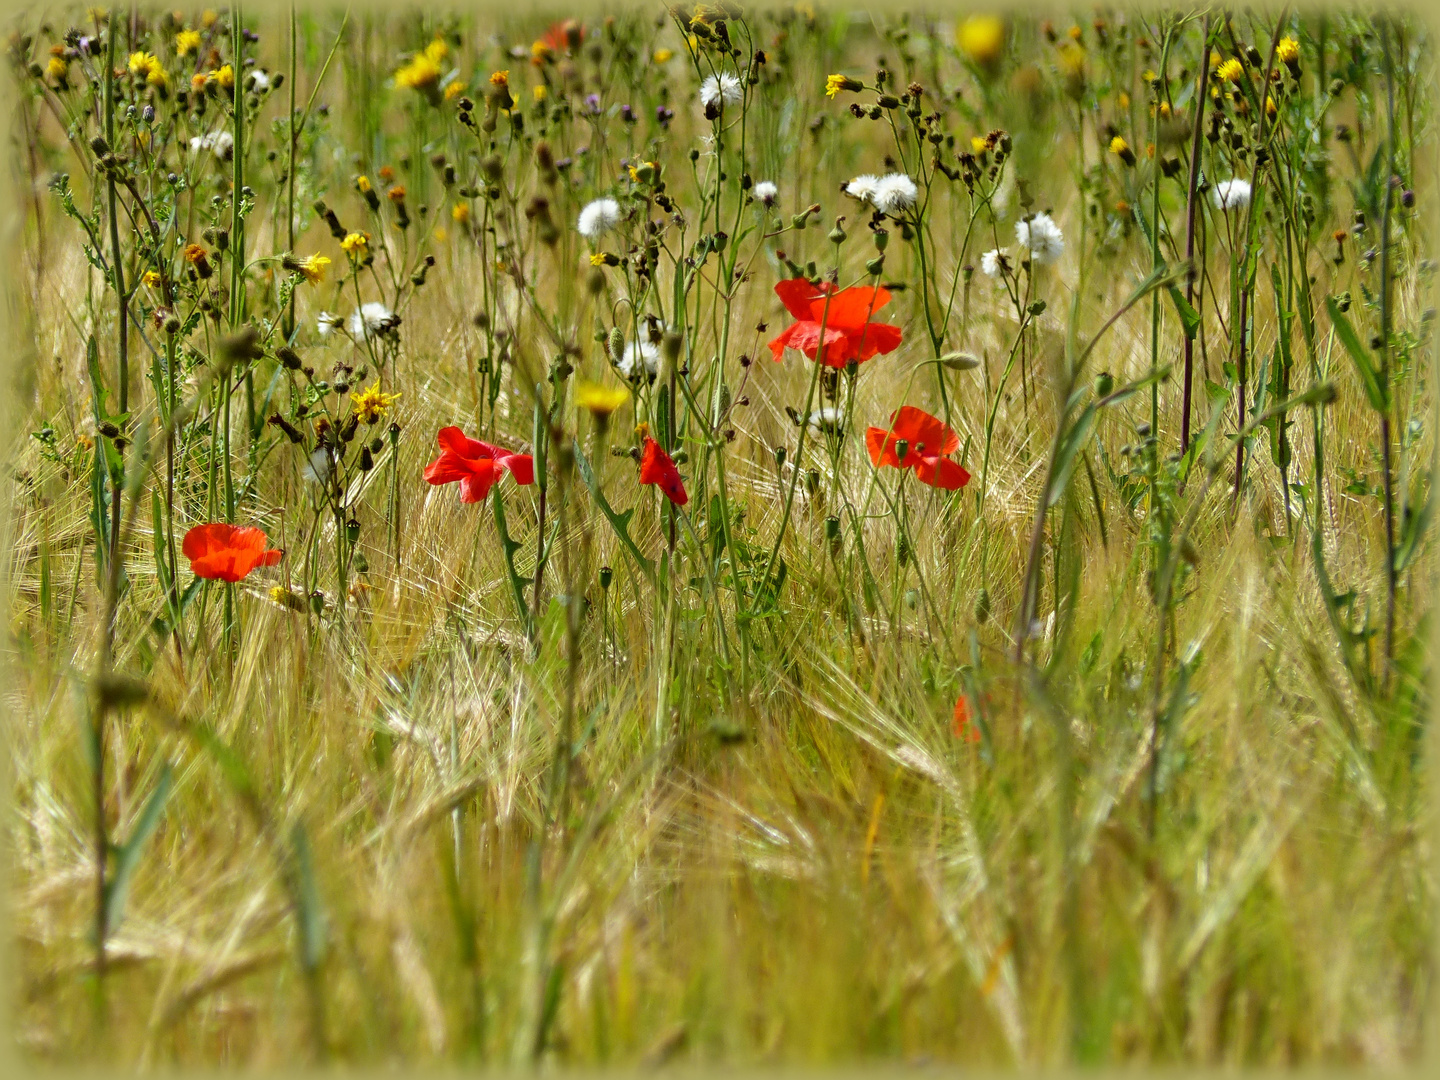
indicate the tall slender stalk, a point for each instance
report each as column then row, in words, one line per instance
column 1191, row 203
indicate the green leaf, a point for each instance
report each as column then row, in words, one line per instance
column 309, row 912
column 1414, row 528
column 1189, row 317
column 619, row 522
column 1068, row 453
column 517, row 583
column 1369, row 376
column 127, row 856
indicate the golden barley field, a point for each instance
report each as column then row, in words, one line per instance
column 720, row 534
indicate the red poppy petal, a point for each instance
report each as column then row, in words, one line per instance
column 850, row 309
column 460, row 444
column 876, row 338
column 205, row 538
column 475, row 486
column 942, row 473
column 783, row 342
column 796, row 294
column 447, row 469
column 520, row 466
column 881, row 444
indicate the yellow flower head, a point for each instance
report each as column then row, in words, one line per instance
column 835, row 83
column 460, row 213
column 1123, row 100
column 600, row 401
column 226, row 77
column 57, row 67
column 1118, row 146
column 313, row 267
column 194, row 253
column 186, row 42
column 362, row 184
column 663, row 56
column 355, row 244
column 500, row 78
column 1214, row 59
column 150, row 279
column 437, row 51
column 141, row 63
column 982, row 38
column 979, row 143
column 1230, row 71
column 1287, row 50
column 198, row 81
column 1270, row 106
column 540, row 52
column 598, row 259
column 454, row 90
column 1165, row 109
column 371, row 403
column 540, row 91
column 208, row 19
column 420, row 73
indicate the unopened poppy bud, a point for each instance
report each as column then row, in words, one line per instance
column 291, row 432
column 902, row 447
column 1104, row 383
column 616, row 344
column 606, row 575
column 288, row 357
column 832, row 529
column 876, row 266
column 352, row 530
column 902, row 550
column 837, row 234
column 780, row 456
column 367, row 460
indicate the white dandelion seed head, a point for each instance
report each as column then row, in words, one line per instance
column 639, row 356
column 598, row 217
column 372, row 318
column 863, row 187
column 893, row 193
column 221, row 143
column 1042, row 237
column 1231, row 194
column 259, row 81
column 720, row 90
column 993, row 263
column 766, row 192
column 327, row 321
column 828, row 418
column 317, row 469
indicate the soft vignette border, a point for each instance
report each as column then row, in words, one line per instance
column 15, row 355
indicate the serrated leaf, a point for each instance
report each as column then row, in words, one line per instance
column 1375, row 390
column 1189, row 317
column 127, row 856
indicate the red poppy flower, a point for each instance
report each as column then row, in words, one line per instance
column 928, row 441
column 849, row 333
column 226, row 552
column 657, row 468
column 475, row 465
column 962, row 724
column 562, row 35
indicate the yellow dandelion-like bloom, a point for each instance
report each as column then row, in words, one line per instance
column 835, row 83
column 156, row 76
column 313, row 267
column 1165, row 109
column 1230, row 71
column 437, row 51
column 209, row 18
column 186, row 42
column 979, row 144
column 1287, row 50
column 371, row 403
column 57, row 67
column 194, row 253
column 396, row 193
column 500, row 78
column 600, row 401
column 198, row 81
column 982, row 38
column 1124, row 100
column 226, row 77
column 362, row 184
column 1270, row 109
column 1118, row 145
column 460, row 213
column 441, row 235
column 540, row 52
column 420, row 73
column 540, row 91
column 141, row 62
column 150, row 279
column 454, row 90
column 355, row 244
column 663, row 56
column 598, row 259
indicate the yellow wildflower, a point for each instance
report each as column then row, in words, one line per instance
column 57, row 67
column 362, row 184
column 208, row 19
column 500, row 78
column 198, row 81
column 835, row 83
column 692, row 43
column 226, row 77
column 663, row 56
column 141, row 62
column 437, row 51
column 420, row 73
column 355, row 244
column 1287, row 50
column 186, row 42
column 540, row 52
column 460, row 213
column 982, row 38
column 1121, row 149
column 313, row 267
column 1124, row 100
column 979, row 143
column 540, row 91
column 454, row 90
column 1230, row 71
column 600, row 401
column 1270, row 106
column 150, row 279
column 371, row 403
column 441, row 236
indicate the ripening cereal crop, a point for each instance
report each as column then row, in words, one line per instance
column 717, row 534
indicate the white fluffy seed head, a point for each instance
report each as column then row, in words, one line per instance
column 1231, row 194
column 640, row 356
column 598, row 217
column 721, row 90
column 993, row 263
column 372, row 318
column 862, row 187
column 766, row 192
column 893, row 193
column 1042, row 237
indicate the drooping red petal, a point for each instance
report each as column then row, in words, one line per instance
column 520, row 466
column 783, row 342
column 447, row 469
column 656, row 467
column 460, row 444
column 941, row 472
column 921, row 429
column 851, row 308
column 475, row 486
column 875, row 338
column 881, row 444
column 962, row 724
column 797, row 294
column 221, row 551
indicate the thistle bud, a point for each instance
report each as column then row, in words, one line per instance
column 982, row 605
